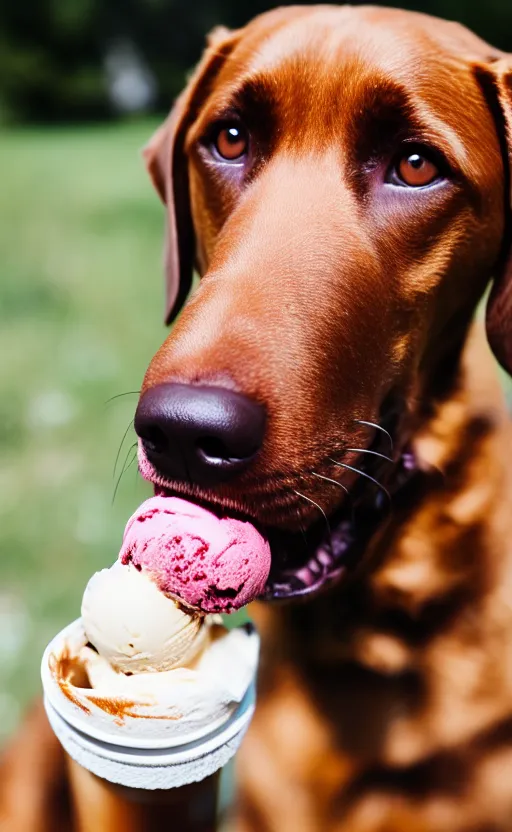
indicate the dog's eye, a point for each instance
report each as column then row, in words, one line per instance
column 414, row 170
column 231, row 141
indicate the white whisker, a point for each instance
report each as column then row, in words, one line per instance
column 335, row 482
column 344, row 487
column 377, row 427
column 309, row 500
column 368, row 451
column 363, row 474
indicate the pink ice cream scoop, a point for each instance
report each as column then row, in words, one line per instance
column 211, row 563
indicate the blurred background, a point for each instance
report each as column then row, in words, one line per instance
column 83, row 83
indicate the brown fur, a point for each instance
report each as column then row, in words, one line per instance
column 385, row 704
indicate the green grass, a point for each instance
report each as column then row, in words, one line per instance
column 81, row 306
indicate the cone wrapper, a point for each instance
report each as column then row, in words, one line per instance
column 186, row 733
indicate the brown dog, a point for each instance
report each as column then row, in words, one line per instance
column 341, row 179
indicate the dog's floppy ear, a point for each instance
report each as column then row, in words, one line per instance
column 167, row 166
column 496, row 80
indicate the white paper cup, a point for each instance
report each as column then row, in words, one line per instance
column 145, row 753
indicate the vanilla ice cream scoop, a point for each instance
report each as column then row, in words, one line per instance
column 137, row 628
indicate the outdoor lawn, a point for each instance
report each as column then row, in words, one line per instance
column 81, row 308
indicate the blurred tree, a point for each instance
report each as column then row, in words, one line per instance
column 79, row 59
column 51, row 59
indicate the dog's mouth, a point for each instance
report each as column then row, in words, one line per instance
column 308, row 561
column 304, row 563
column 302, row 567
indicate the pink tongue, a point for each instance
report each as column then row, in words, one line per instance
column 216, row 565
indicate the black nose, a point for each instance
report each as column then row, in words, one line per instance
column 203, row 435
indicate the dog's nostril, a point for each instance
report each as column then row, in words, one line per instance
column 154, row 439
column 213, row 448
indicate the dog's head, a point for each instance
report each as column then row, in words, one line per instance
column 340, row 179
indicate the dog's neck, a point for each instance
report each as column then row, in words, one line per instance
column 431, row 577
